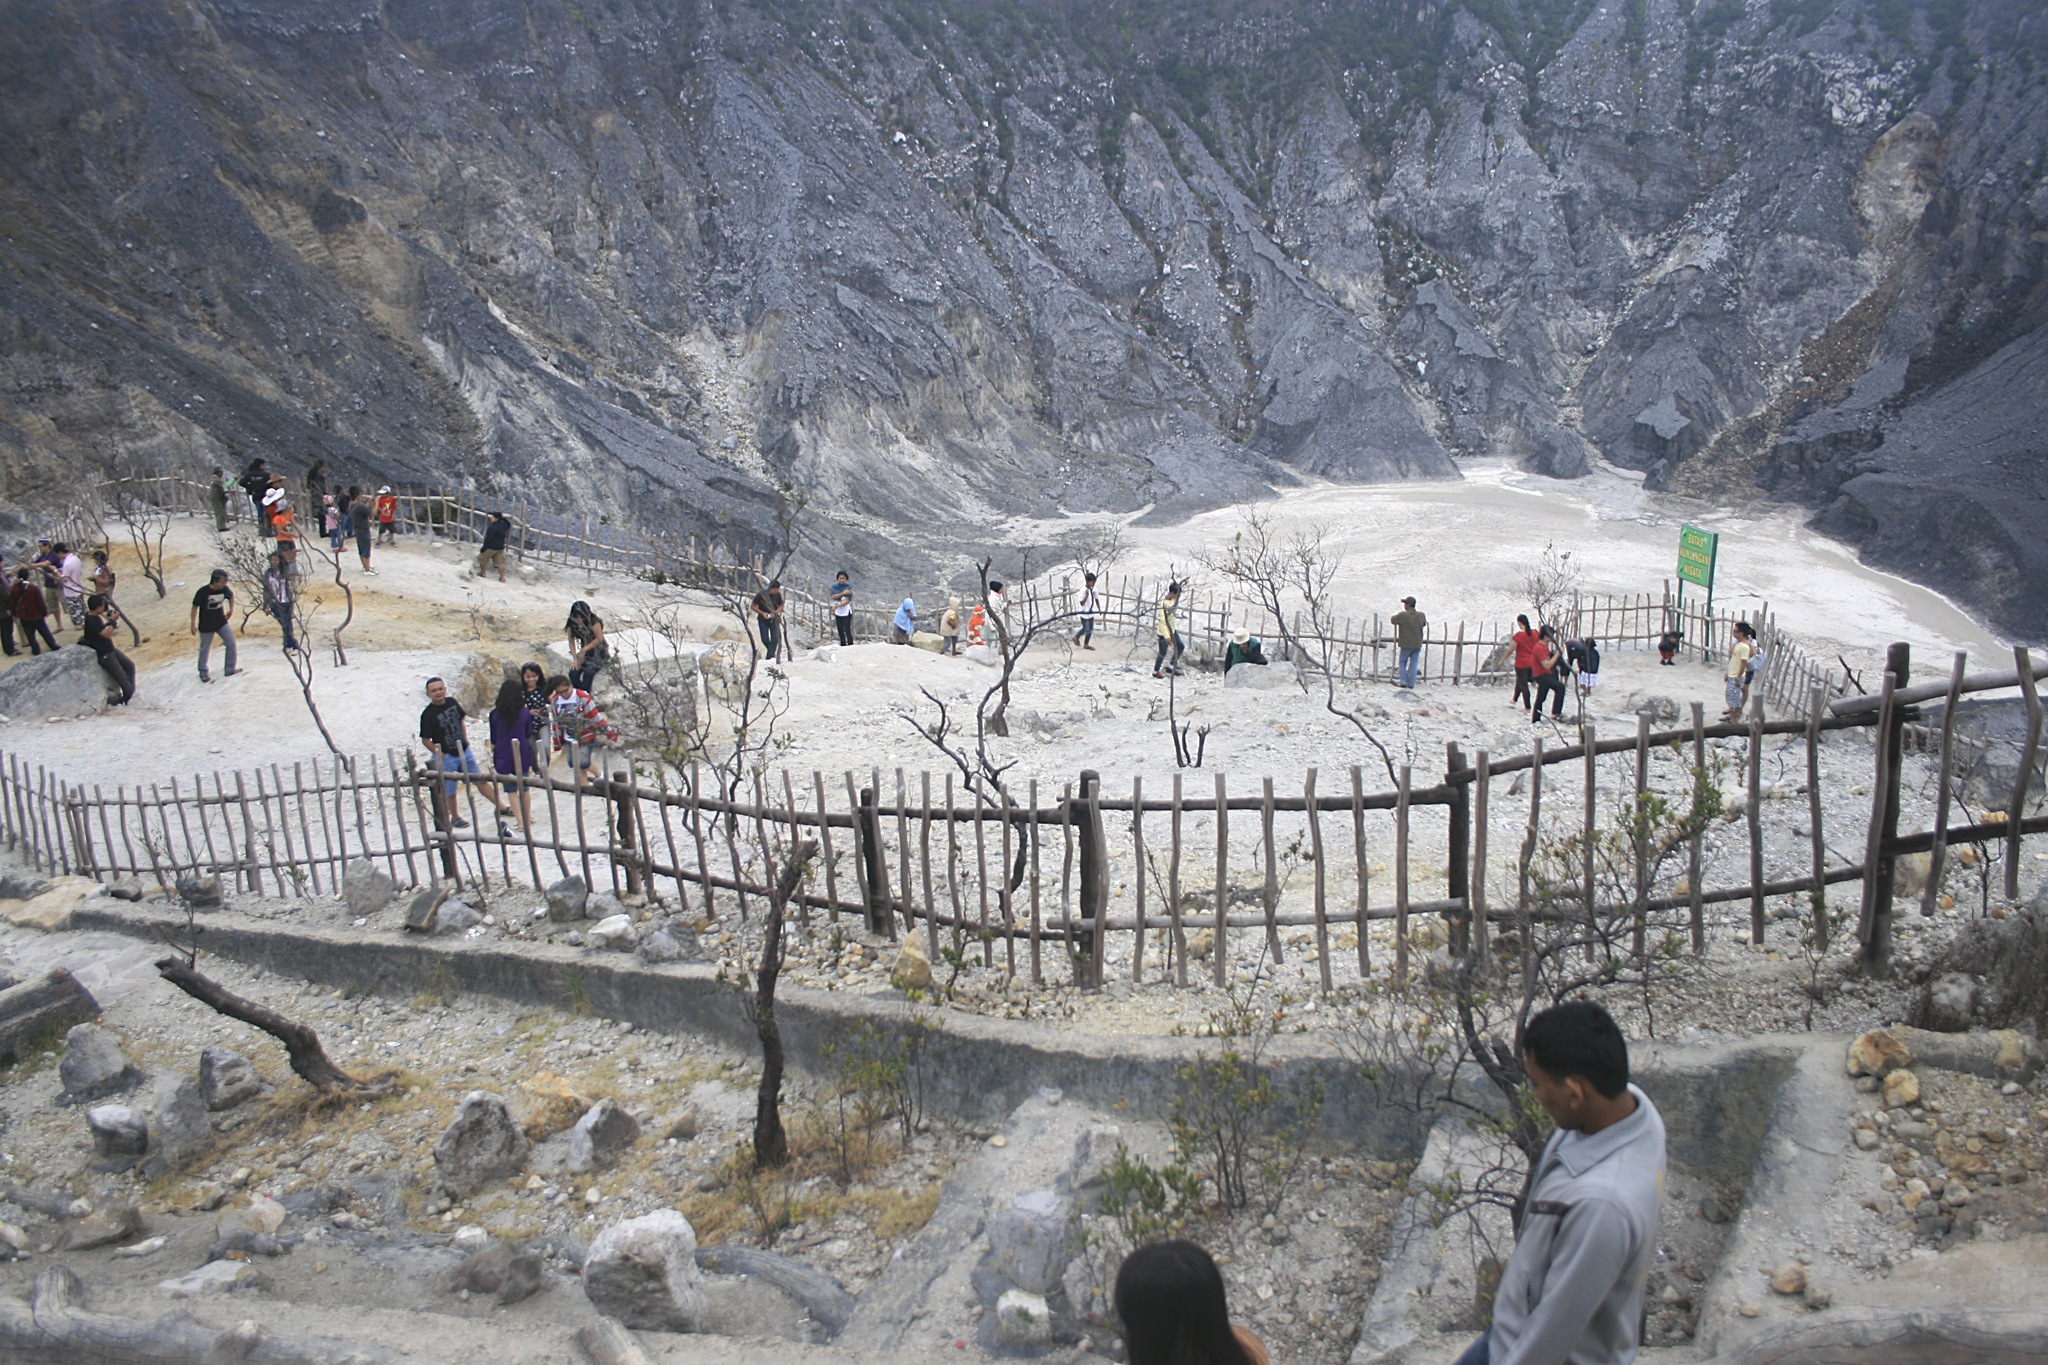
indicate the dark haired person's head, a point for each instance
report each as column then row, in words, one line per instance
column 995, row 585
column 60, row 548
column 96, row 602
column 842, row 575
column 1171, row 1300
column 99, row 556
column 533, row 675
column 1742, row 628
column 219, row 577
column 1087, row 578
column 1522, row 621
column 1577, row 1062
column 511, row 697
column 560, row 685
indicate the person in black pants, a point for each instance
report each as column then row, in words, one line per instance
column 119, row 666
column 1551, row 669
column 31, row 612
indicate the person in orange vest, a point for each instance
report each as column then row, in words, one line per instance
column 282, row 528
column 387, row 516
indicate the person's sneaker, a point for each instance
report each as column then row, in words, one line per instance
column 204, row 678
column 1157, row 674
column 458, row 823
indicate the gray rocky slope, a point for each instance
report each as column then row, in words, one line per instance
column 948, row 264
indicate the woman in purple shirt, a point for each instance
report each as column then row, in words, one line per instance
column 512, row 750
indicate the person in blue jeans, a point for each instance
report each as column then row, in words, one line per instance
column 1409, row 625
column 1091, row 602
column 277, row 597
column 212, row 605
column 1572, row 1293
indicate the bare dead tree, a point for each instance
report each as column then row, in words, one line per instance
column 301, row 1044
column 1552, row 581
column 1290, row 576
column 147, row 525
column 771, row 1142
column 247, row 563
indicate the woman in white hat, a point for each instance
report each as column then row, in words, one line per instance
column 1244, row 649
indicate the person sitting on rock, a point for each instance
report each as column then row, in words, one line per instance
column 118, row 666
column 1244, row 649
column 1171, row 1299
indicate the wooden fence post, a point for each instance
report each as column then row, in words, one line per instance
column 2016, row 809
column 624, row 843
column 1094, row 852
column 1460, row 852
column 867, row 834
column 1696, row 905
column 1879, row 859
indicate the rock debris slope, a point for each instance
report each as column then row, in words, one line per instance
column 951, row 264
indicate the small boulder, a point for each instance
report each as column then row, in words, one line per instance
column 425, row 905
column 1789, row 1278
column 913, row 970
column 1950, row 1004
column 177, row 1124
column 120, row 1133
column 682, row 1125
column 553, row 1103
column 105, row 1225
column 1023, row 1321
column 508, row 1270
column 480, row 1146
column 1273, row 677
column 1031, row 1242
column 1201, row 945
column 60, row 682
column 215, row 1277
column 603, row 905
column 1095, row 1153
column 366, row 889
column 1878, row 1053
column 644, row 1273
column 93, row 1063
column 201, row 893
column 659, row 946
column 226, row 1079
column 1909, row 875
column 600, row 1136
column 615, row 932
column 1901, row 1090
column 566, row 899
column 259, row 1215
column 455, row 918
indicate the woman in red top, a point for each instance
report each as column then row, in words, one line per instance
column 1528, row 653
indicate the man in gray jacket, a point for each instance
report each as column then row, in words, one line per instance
column 1572, row 1293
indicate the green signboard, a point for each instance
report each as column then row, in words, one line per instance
column 1696, row 551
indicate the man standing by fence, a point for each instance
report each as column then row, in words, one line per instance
column 842, row 608
column 387, row 516
column 1572, row 1293
column 1167, row 631
column 217, row 500
column 767, row 607
column 212, row 606
column 1409, row 625
column 1740, row 652
column 492, row 555
column 1091, row 602
column 444, row 730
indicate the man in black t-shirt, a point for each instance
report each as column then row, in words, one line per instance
column 444, row 732
column 492, row 555
column 93, row 635
column 212, row 605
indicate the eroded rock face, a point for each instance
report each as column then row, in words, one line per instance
column 1075, row 270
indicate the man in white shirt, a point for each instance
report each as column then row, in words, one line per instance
column 1091, row 602
column 71, row 577
column 1572, row 1293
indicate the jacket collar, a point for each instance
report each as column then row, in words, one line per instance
column 1580, row 1156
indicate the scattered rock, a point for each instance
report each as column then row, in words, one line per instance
column 480, row 1147
column 215, row 1277
column 509, row 1270
column 600, row 1136
column 201, row 893
column 659, row 946
column 1865, row 1140
column 603, row 905
column 566, row 899
column 1273, row 677
column 93, row 1063
column 682, row 1125
column 1031, row 1242
column 425, row 904
column 615, row 931
column 1023, row 1321
column 148, row 1247
column 455, row 917
column 1095, row 1154
column 1818, row 1297
column 1911, row 1130
column 119, row 1133
column 1789, row 1278
column 260, row 1214
column 52, row 909
column 226, row 1079
column 1949, row 1004
column 365, row 889
column 644, row 1273
column 1711, row 1210
column 1901, row 1090
column 105, row 1225
column 1878, row 1053
column 1201, row 945
column 177, row 1124
column 913, row 970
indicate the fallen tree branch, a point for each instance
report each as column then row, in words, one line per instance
column 54, row 1327
column 309, row 1060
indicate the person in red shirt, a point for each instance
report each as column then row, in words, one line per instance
column 1528, row 652
column 387, row 516
column 31, row 612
